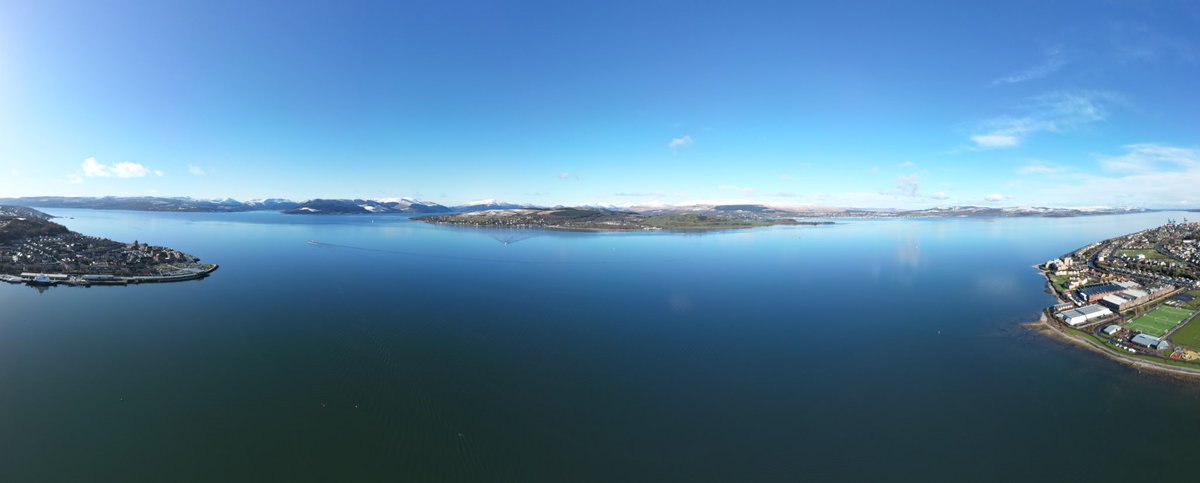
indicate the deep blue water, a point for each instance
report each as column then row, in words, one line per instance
column 399, row 351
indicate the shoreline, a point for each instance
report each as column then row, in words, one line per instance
column 1046, row 326
column 1052, row 331
column 77, row 280
column 648, row 229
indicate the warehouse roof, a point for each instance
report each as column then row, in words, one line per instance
column 1093, row 290
column 1115, row 300
column 1145, row 340
column 1091, row 310
column 1135, row 293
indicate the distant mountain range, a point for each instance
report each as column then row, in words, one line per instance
column 352, row 207
column 412, row 206
column 138, row 203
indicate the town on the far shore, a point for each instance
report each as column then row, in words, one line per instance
column 1136, row 296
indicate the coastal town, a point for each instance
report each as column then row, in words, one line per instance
column 1135, row 298
column 597, row 219
column 37, row 251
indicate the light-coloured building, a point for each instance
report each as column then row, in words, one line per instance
column 1115, row 302
column 1150, row 342
column 1082, row 315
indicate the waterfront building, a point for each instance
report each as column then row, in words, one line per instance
column 1116, row 302
column 1087, row 313
column 1093, row 293
column 1150, row 342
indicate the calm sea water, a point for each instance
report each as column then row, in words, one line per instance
column 400, row 351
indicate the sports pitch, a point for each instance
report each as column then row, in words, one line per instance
column 1158, row 321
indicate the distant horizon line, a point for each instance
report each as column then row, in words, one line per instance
column 689, row 203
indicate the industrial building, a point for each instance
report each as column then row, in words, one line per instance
column 1150, row 342
column 1093, row 293
column 1131, row 297
column 1112, row 329
column 1082, row 315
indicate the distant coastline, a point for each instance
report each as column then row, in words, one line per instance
column 579, row 219
column 333, row 206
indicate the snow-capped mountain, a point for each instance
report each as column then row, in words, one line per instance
column 489, row 204
column 358, row 206
column 272, row 204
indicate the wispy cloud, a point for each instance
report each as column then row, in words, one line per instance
column 1040, row 168
column 1053, row 62
column 1143, row 175
column 996, row 198
column 95, row 169
column 740, row 189
column 908, row 185
column 683, row 142
column 907, row 165
column 940, row 195
column 1056, row 112
column 635, row 194
column 196, row 171
column 995, row 140
column 565, row 176
column 1136, row 42
column 1150, row 158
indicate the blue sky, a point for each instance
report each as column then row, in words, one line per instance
column 869, row 104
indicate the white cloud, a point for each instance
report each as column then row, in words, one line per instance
column 682, row 142
column 1040, row 168
column 637, row 194
column 940, row 195
column 993, row 141
column 1148, row 157
column 129, row 170
column 1056, row 112
column 565, row 175
column 1053, row 62
column 159, row 173
column 907, row 165
column 1143, row 175
column 94, row 169
column 1137, row 42
column 196, row 170
column 996, row 197
column 91, row 168
column 740, row 189
column 908, row 185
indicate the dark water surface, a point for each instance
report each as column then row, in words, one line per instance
column 869, row 350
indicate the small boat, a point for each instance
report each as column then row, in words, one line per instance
column 42, row 280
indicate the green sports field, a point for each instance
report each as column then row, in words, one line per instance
column 1150, row 254
column 1158, row 321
